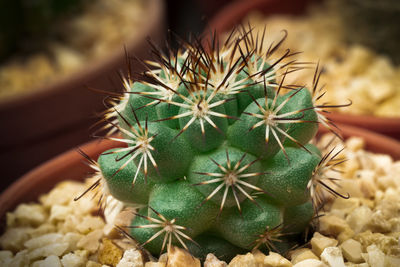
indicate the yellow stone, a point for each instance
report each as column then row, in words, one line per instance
column 178, row 257
column 154, row 264
column 247, row 260
column 259, row 256
column 109, row 253
column 302, row 254
column 347, row 205
column 352, row 250
column 332, row 225
column 346, row 234
column 320, row 242
column 93, row 264
column 275, row 260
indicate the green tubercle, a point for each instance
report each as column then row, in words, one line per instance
column 244, row 229
column 253, row 132
column 138, row 105
column 178, row 208
column 183, row 201
column 203, row 121
column 288, row 175
column 215, row 146
column 120, row 180
column 167, row 110
column 297, row 218
column 226, row 176
column 210, row 243
column 306, row 126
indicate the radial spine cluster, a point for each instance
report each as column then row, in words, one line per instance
column 215, row 146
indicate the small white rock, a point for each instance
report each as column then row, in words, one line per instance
column 21, row 259
column 212, row 261
column 52, row 249
column 51, row 261
column 113, row 208
column 382, row 163
column 72, row 239
column 32, row 214
column 374, row 256
column 310, row 263
column 5, row 257
column 359, row 218
column 90, row 223
column 59, row 213
column 73, row 260
column 43, row 240
column 333, row 257
column 131, row 258
column 14, row 238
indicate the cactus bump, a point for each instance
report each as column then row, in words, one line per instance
column 215, row 148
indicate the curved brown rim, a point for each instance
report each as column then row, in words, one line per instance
column 67, row 166
column 375, row 142
column 379, row 124
column 232, row 15
column 103, row 65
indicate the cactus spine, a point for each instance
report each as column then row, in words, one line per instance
column 216, row 147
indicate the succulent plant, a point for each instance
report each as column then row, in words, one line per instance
column 215, row 148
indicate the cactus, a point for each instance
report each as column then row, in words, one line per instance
column 215, row 146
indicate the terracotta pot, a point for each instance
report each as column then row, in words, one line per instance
column 42, row 123
column 233, row 14
column 70, row 166
column 67, row 166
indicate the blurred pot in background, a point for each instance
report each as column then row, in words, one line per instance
column 54, row 109
column 27, row 25
column 351, row 72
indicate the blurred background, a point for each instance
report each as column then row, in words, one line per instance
column 51, row 50
column 54, row 52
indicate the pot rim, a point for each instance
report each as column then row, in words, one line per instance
column 233, row 14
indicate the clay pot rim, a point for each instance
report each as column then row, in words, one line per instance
column 380, row 124
column 70, row 166
column 100, row 66
column 233, row 13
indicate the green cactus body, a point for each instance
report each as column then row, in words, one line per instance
column 166, row 110
column 181, row 200
column 143, row 234
column 287, row 181
column 172, row 158
column 243, row 135
column 137, row 106
column 244, row 230
column 256, row 90
column 302, row 132
column 223, row 170
column 297, row 218
column 169, row 89
column 231, row 106
column 177, row 201
column 119, row 181
column 210, row 243
column 230, row 186
column 201, row 134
